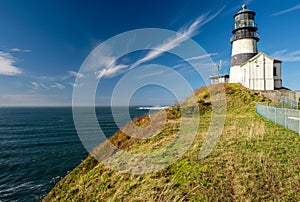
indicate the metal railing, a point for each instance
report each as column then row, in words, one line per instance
column 288, row 118
column 245, row 35
column 289, row 102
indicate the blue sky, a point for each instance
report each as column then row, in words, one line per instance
column 44, row 43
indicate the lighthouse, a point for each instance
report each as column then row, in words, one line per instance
column 244, row 41
column 257, row 71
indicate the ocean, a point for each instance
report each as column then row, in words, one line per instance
column 39, row 146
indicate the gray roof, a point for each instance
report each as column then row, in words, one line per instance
column 244, row 10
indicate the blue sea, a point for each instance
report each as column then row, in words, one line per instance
column 39, row 146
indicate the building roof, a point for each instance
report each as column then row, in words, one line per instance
column 260, row 54
column 244, row 10
column 219, row 76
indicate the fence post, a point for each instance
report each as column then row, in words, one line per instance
column 285, row 118
column 275, row 119
column 287, row 126
column 299, row 122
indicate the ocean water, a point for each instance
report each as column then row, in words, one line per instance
column 39, row 146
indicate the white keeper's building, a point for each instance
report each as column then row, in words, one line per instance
column 260, row 72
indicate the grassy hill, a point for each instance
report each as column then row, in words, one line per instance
column 254, row 160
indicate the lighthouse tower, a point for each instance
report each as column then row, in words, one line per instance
column 244, row 42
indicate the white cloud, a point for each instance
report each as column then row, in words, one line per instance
column 102, row 63
column 37, row 86
column 58, row 86
column 107, row 63
column 294, row 8
column 76, row 85
column 76, row 74
column 110, row 72
column 19, row 50
column 200, row 57
column 42, row 86
column 100, row 58
column 68, row 75
column 286, row 56
column 185, row 33
column 7, row 66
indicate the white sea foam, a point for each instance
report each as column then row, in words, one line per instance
column 153, row 108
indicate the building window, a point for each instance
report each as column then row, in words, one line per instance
column 274, row 71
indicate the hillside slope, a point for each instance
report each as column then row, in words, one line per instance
column 253, row 160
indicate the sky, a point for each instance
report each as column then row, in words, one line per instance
column 44, row 46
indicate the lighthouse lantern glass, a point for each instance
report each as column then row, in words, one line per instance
column 244, row 23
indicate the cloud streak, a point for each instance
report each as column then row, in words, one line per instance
column 42, row 86
column 167, row 45
column 286, row 56
column 76, row 74
column 37, row 86
column 58, row 86
column 7, row 65
column 184, row 33
column 112, row 71
column 19, row 50
column 294, row 8
column 76, row 85
column 201, row 57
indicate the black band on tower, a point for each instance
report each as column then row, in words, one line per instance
column 239, row 59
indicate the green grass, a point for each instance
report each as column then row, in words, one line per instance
column 254, row 160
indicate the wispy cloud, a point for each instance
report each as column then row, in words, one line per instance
column 58, row 78
column 57, row 82
column 294, row 8
column 76, row 85
column 185, row 33
column 19, row 50
column 112, row 71
column 75, row 74
column 57, row 85
column 7, row 65
column 38, row 86
column 201, row 57
column 286, row 56
column 169, row 44
column 42, row 86
column 107, row 65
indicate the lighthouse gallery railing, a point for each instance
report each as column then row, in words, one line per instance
column 245, row 35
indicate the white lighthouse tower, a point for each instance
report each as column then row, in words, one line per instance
column 244, row 42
